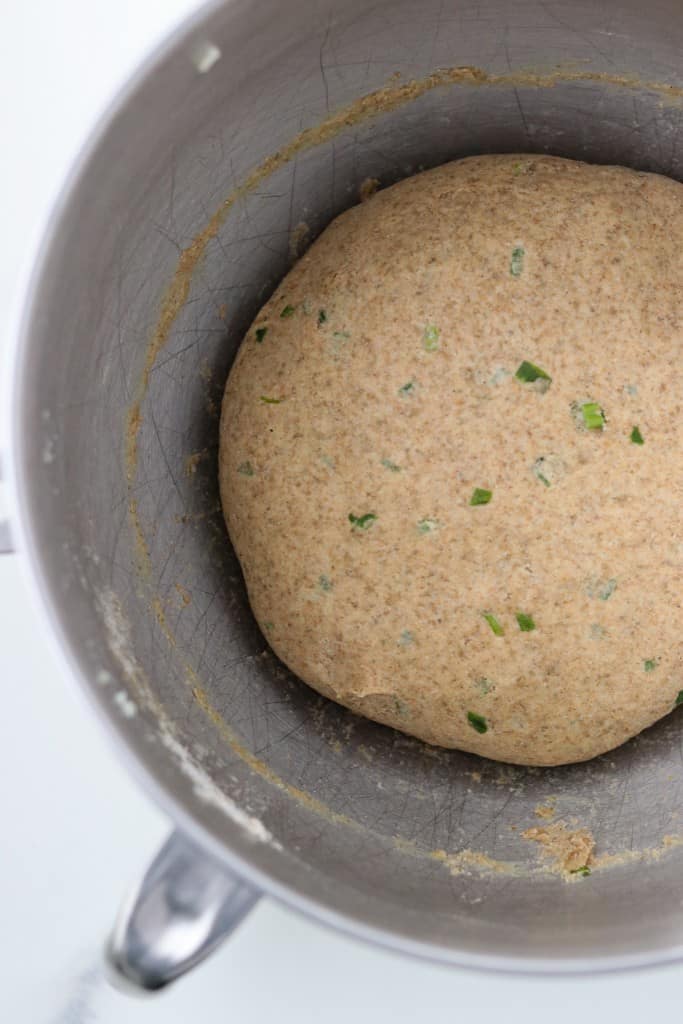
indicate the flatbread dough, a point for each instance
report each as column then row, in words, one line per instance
column 431, row 463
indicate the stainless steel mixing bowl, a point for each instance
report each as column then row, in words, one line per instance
column 258, row 117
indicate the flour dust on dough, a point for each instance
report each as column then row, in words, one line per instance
column 450, row 458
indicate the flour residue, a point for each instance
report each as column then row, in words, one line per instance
column 298, row 240
column 119, row 639
column 207, row 791
column 569, row 851
column 545, row 811
column 649, row 855
column 368, row 188
column 474, row 862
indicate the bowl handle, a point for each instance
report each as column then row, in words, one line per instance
column 184, row 906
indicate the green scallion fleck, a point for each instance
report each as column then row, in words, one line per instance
column 478, row 722
column 600, row 588
column 493, row 622
column 593, row 416
column 679, row 699
column 485, row 685
column 271, row 401
column 428, row 525
column 325, row 583
column 341, row 335
column 517, row 261
column 525, row 622
column 260, row 333
column 287, row 312
column 268, row 626
column 606, row 589
column 245, row 468
column 430, row 338
column 636, row 436
column 391, row 466
column 406, row 638
column 407, row 389
column 401, row 707
column 480, row 496
column 322, row 317
column 363, row 522
column 529, row 372
column 650, row 664
column 584, row 871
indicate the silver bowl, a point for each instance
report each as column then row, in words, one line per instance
column 257, row 117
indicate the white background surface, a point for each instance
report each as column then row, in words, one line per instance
column 74, row 828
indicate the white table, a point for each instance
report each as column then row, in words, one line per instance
column 75, row 829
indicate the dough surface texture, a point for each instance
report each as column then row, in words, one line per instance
column 450, row 458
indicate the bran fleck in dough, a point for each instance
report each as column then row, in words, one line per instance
column 450, row 458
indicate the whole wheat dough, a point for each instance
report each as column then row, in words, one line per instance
column 398, row 374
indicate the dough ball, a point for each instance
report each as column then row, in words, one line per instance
column 451, row 458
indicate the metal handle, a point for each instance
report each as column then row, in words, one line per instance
column 185, row 905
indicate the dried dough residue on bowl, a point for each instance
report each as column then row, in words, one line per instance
column 569, row 850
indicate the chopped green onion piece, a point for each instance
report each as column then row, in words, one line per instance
column 245, row 468
column 428, row 525
column 605, row 590
column 260, row 333
column 679, row 699
column 406, row 638
column 593, row 416
column 362, row 522
column 325, row 583
column 402, row 708
column 342, row 335
column 271, row 401
column 430, row 338
column 525, row 622
column 636, row 436
column 529, row 372
column 388, row 464
column 268, row 626
column 550, row 469
column 650, row 664
column 322, row 317
column 478, row 722
column 517, row 261
column 480, row 496
column 584, row 870
column 407, row 389
column 493, row 622
column 287, row 312
column 485, row 685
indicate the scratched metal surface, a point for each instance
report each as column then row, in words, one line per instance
column 170, row 155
